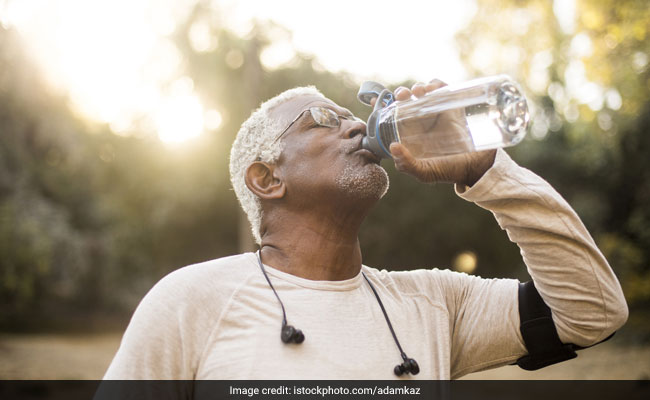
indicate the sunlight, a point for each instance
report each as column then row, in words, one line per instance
column 212, row 120
column 370, row 38
column 465, row 262
column 114, row 59
column 179, row 116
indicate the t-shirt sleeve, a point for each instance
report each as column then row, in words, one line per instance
column 484, row 321
column 165, row 335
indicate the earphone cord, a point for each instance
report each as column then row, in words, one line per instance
column 390, row 326
column 381, row 305
column 284, row 314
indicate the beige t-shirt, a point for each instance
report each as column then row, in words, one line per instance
column 220, row 319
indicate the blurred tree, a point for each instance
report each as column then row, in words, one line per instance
column 51, row 229
column 90, row 220
column 585, row 65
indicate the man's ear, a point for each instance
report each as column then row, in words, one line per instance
column 264, row 181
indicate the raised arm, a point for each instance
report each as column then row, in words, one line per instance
column 570, row 273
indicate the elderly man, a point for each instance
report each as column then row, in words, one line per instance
column 305, row 307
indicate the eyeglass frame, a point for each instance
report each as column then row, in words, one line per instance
column 338, row 117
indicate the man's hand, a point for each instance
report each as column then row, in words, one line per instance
column 466, row 168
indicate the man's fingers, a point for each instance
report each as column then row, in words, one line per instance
column 418, row 90
column 402, row 93
column 434, row 84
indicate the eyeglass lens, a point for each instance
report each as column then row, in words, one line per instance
column 329, row 118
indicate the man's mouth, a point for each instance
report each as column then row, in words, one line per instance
column 368, row 155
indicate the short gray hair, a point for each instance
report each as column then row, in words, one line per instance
column 255, row 140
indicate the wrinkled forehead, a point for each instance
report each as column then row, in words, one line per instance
column 289, row 110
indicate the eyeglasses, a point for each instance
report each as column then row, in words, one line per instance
column 322, row 116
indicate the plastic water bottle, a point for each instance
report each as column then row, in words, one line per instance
column 480, row 114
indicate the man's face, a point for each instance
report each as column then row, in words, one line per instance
column 323, row 162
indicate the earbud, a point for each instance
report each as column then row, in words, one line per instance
column 409, row 366
column 290, row 334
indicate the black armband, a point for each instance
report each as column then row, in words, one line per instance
column 539, row 332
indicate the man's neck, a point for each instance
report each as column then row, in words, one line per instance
column 315, row 248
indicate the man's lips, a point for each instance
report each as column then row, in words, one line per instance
column 369, row 155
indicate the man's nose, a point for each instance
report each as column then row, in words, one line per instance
column 354, row 128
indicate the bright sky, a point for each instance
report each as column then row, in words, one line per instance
column 112, row 56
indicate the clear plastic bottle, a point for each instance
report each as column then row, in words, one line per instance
column 477, row 115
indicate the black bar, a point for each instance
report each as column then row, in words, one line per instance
column 402, row 389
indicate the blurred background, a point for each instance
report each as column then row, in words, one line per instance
column 116, row 120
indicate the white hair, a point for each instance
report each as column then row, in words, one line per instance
column 255, row 141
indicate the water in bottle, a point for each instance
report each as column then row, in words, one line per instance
column 477, row 115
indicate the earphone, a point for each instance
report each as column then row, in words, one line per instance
column 290, row 334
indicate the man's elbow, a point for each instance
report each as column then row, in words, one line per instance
column 615, row 317
column 616, row 313
column 619, row 316
column 588, row 331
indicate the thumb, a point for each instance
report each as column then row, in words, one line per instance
column 424, row 170
column 404, row 160
column 396, row 150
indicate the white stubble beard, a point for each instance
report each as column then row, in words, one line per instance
column 368, row 182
